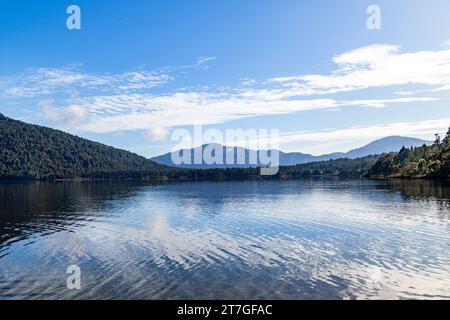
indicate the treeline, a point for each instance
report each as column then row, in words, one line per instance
column 343, row 168
column 33, row 152
column 421, row 162
column 338, row 168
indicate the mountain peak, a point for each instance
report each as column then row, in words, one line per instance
column 377, row 147
column 386, row 145
column 395, row 137
column 399, row 140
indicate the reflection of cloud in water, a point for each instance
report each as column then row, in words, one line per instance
column 242, row 240
column 394, row 283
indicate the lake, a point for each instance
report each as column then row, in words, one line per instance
column 305, row 239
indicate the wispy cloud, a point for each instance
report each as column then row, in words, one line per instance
column 340, row 140
column 369, row 67
column 46, row 81
column 344, row 139
column 116, row 113
column 104, row 103
column 372, row 67
column 203, row 62
column 140, row 111
column 418, row 128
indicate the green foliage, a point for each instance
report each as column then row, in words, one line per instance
column 34, row 152
column 338, row 168
column 422, row 162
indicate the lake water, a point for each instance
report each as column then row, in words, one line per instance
column 308, row 239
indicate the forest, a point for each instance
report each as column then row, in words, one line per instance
column 431, row 162
column 30, row 152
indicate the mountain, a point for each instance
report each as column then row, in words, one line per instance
column 385, row 145
column 34, row 152
column 232, row 154
column 421, row 162
column 39, row 153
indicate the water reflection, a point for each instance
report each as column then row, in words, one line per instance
column 30, row 208
column 309, row 239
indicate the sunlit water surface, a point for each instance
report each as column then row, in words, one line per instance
column 310, row 239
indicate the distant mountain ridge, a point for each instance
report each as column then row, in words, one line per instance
column 381, row 146
column 31, row 152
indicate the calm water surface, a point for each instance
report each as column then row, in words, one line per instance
column 310, row 239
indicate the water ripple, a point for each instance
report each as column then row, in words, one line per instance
column 274, row 240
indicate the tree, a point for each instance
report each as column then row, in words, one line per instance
column 438, row 139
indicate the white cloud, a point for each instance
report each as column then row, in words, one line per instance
column 375, row 66
column 203, row 61
column 382, row 103
column 342, row 140
column 68, row 117
column 404, row 93
column 248, row 81
column 40, row 82
column 345, row 139
column 46, row 81
column 117, row 102
column 157, row 134
column 137, row 112
column 370, row 55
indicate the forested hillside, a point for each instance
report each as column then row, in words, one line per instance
column 33, row 152
column 421, row 162
column 380, row 146
column 338, row 168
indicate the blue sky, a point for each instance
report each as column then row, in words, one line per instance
column 138, row 70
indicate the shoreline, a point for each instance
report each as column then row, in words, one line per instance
column 256, row 178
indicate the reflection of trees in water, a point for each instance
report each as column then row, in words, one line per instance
column 27, row 209
column 436, row 191
column 30, row 208
column 423, row 188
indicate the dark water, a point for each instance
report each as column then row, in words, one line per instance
column 307, row 239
